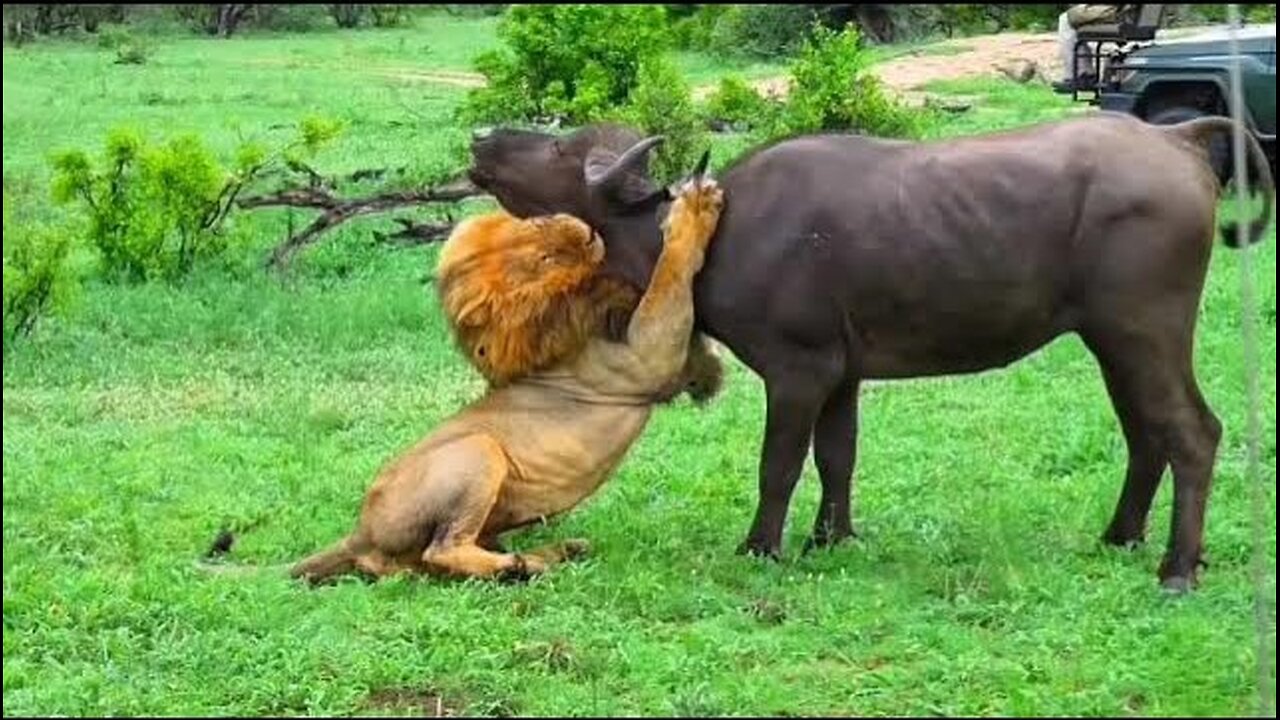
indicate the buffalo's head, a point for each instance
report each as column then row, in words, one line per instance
column 599, row 173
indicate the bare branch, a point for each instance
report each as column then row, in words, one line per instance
column 336, row 210
column 414, row 233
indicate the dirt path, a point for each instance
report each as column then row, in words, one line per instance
column 905, row 74
column 962, row 57
column 965, row 57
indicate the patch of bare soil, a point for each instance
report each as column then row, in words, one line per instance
column 416, row 703
column 980, row 55
column 962, row 57
column 442, row 77
column 460, row 78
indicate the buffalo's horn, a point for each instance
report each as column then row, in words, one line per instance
column 481, row 133
column 633, row 154
column 701, row 167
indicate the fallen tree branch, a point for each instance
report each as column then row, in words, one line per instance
column 415, row 233
column 336, row 210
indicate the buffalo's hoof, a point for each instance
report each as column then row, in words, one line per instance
column 828, row 540
column 1124, row 543
column 758, row 548
column 1125, row 540
column 1178, row 584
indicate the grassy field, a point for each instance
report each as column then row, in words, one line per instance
column 148, row 417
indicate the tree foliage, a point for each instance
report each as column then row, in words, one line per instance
column 37, row 280
column 573, row 61
column 154, row 210
column 832, row 90
column 662, row 104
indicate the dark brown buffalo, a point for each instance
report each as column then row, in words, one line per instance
column 841, row 257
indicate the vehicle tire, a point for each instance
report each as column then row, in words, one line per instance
column 1219, row 146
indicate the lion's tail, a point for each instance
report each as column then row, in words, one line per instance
column 339, row 559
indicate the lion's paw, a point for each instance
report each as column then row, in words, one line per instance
column 697, row 207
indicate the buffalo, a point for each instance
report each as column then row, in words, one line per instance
column 841, row 257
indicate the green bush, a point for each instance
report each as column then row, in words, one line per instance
column 385, row 16
column 111, row 37
column 1260, row 13
column 133, row 50
column 573, row 60
column 155, row 210
column 1034, row 18
column 477, row 10
column 765, row 31
column 662, row 104
column 36, row 278
column 148, row 206
column 737, row 104
column 831, row 89
column 693, row 27
column 348, row 15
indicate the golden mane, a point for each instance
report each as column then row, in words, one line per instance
column 522, row 295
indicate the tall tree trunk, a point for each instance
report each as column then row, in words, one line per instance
column 229, row 17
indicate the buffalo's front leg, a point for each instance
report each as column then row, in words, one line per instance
column 794, row 405
column 835, row 451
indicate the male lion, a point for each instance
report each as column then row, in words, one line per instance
column 566, row 399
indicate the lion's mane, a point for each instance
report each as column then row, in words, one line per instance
column 523, row 295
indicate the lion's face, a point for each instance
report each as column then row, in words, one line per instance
column 549, row 255
column 518, row 293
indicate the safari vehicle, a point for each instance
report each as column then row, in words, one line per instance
column 1169, row 80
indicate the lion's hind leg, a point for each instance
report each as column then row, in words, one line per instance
column 559, row 552
column 471, row 471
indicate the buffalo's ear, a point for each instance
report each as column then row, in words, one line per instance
column 630, row 188
column 623, row 178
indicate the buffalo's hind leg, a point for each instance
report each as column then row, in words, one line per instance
column 1148, row 370
column 1147, row 455
column 835, row 451
column 795, row 399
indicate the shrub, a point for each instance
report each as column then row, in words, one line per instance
column 737, row 104
column 111, row 37
column 662, row 104
column 1249, row 13
column 133, row 50
column 832, row 90
column 477, row 10
column 148, row 206
column 348, row 15
column 385, row 16
column 574, row 60
column 36, row 278
column 155, row 210
column 693, row 27
column 761, row 30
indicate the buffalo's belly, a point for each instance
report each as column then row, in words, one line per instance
column 922, row 351
column 960, row 305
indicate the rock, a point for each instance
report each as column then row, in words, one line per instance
column 1019, row 71
column 948, row 104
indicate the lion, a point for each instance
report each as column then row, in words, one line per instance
column 574, row 367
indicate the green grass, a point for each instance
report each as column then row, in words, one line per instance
column 148, row 417
column 999, row 103
column 702, row 69
column 893, row 51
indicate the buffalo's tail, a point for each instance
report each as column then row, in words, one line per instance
column 1197, row 131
